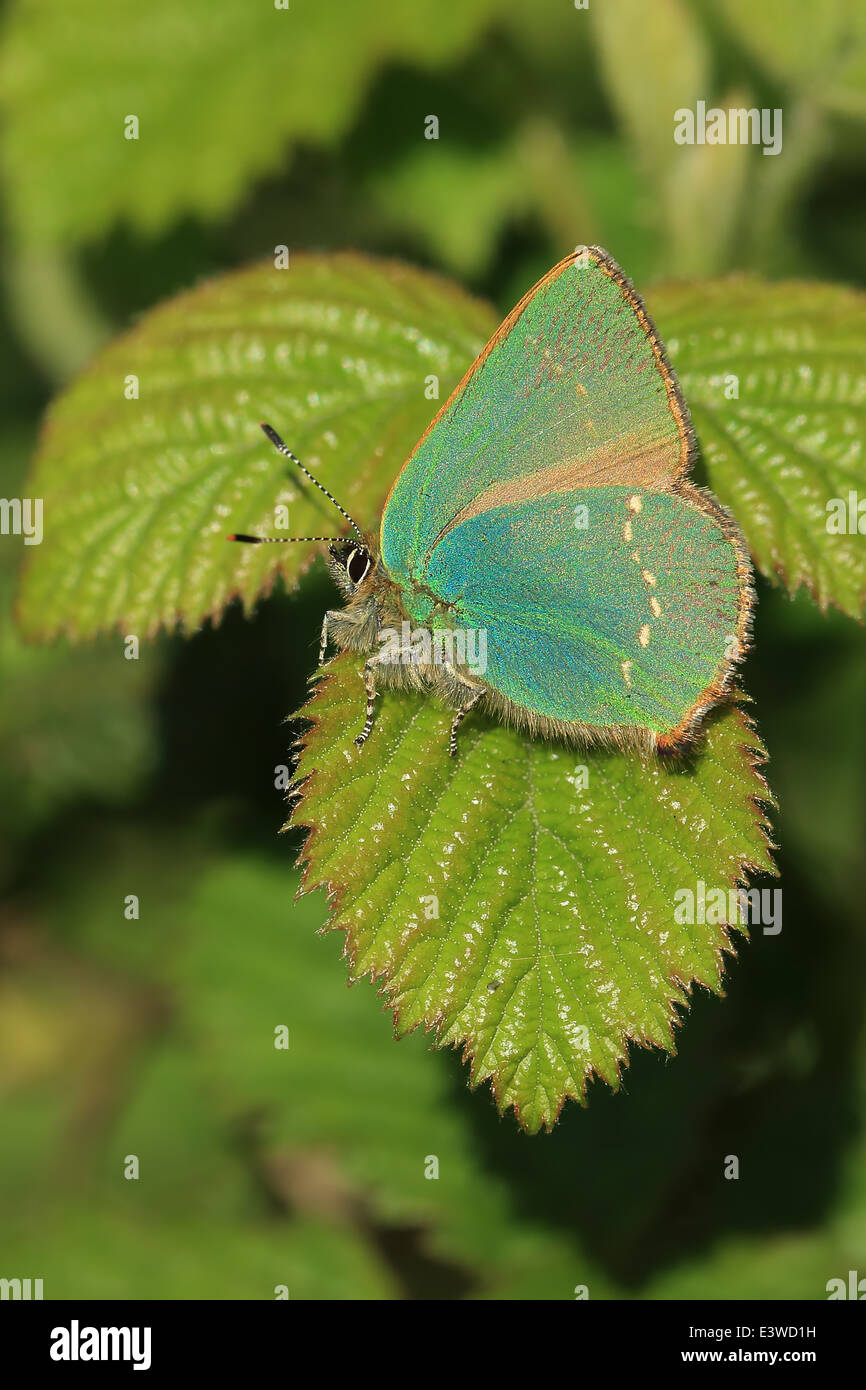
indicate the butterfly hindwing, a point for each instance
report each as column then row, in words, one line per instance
column 604, row 607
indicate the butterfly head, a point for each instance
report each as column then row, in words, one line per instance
column 351, row 564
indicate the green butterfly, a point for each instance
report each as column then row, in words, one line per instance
column 543, row 552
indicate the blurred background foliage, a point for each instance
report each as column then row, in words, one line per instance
column 154, row 1036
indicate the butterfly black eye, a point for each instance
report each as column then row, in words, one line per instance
column 357, row 565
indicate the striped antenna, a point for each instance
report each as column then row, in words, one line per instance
column 284, row 449
column 277, row 540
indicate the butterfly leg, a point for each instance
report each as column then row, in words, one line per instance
column 323, row 645
column 458, row 720
column 372, row 692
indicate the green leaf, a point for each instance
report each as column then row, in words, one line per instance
column 219, row 95
column 824, row 58
column 342, row 1085
column 336, row 352
column 115, row 1250
column 341, row 1124
column 74, row 725
column 791, row 439
column 507, row 907
column 91, row 1066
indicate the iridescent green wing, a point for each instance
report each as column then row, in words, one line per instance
column 548, row 506
column 611, row 608
column 573, row 390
